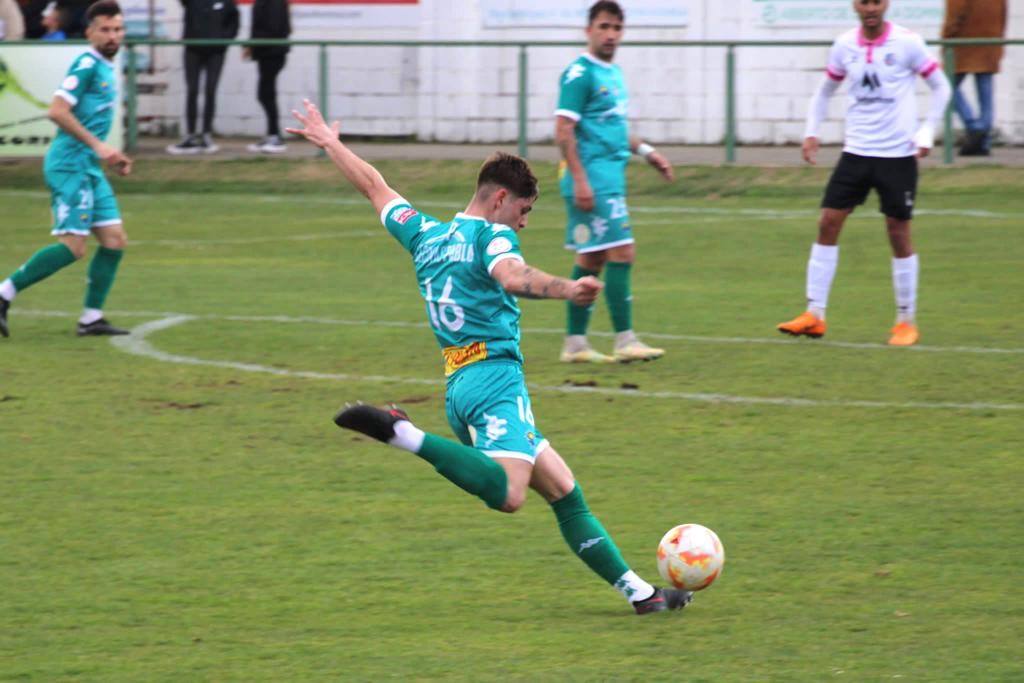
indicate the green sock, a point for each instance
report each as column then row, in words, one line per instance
column 587, row 538
column 618, row 294
column 467, row 468
column 43, row 264
column 579, row 316
column 102, row 270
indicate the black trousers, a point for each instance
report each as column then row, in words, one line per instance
column 266, row 89
column 198, row 61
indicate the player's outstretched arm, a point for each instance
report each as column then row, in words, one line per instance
column 516, row 277
column 358, row 172
column 60, row 113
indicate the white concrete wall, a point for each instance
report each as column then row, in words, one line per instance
column 469, row 94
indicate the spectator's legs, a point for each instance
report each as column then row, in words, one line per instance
column 986, row 113
column 192, row 63
column 214, row 62
column 266, row 91
column 963, row 107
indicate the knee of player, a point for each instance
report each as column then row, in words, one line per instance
column 513, row 501
column 78, row 249
column 117, row 241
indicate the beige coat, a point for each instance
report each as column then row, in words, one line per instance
column 976, row 19
column 13, row 24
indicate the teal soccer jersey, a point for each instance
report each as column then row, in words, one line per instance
column 472, row 316
column 593, row 94
column 81, row 197
column 90, row 87
column 474, row 320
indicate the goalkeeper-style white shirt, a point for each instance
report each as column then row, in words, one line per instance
column 881, row 113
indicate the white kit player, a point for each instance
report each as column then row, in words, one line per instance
column 880, row 63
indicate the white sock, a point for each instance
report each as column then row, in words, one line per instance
column 633, row 587
column 7, row 290
column 90, row 315
column 576, row 342
column 904, row 285
column 625, row 337
column 821, row 268
column 407, row 436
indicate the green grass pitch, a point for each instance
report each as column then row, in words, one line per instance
column 191, row 513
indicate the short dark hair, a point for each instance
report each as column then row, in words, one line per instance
column 608, row 6
column 102, row 8
column 510, row 172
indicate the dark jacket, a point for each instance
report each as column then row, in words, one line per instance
column 270, row 19
column 976, row 19
column 210, row 19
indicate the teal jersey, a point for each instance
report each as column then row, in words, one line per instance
column 472, row 316
column 593, row 94
column 90, row 87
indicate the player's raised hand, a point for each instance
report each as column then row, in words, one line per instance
column 583, row 196
column 314, row 129
column 585, row 290
column 810, row 150
column 659, row 162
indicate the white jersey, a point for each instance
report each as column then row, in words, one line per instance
column 881, row 113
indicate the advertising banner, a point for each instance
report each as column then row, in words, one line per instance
column 573, row 13
column 352, row 13
column 910, row 13
column 29, row 76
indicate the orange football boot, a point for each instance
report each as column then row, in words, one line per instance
column 806, row 324
column 904, row 334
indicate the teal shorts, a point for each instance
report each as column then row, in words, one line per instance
column 605, row 227
column 81, row 200
column 488, row 407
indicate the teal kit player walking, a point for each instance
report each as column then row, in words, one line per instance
column 82, row 199
column 592, row 132
column 470, row 271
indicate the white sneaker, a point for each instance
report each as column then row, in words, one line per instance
column 637, row 350
column 582, row 353
column 272, row 144
column 190, row 144
column 208, row 145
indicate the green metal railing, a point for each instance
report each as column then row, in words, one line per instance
column 523, row 47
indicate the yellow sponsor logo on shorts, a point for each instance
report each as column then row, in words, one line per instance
column 457, row 357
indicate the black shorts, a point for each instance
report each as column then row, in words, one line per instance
column 895, row 180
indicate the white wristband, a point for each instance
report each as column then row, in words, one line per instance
column 645, row 150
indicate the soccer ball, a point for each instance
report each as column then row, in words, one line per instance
column 690, row 557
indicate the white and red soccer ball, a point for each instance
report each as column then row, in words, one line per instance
column 690, row 557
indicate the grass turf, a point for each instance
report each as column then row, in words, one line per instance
column 164, row 521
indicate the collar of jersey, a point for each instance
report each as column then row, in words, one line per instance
column 95, row 53
column 864, row 42
column 471, row 218
column 599, row 62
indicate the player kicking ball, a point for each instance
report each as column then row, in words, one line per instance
column 470, row 271
column 83, row 201
column 881, row 62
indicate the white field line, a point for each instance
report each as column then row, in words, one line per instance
column 697, row 339
column 137, row 344
column 456, row 206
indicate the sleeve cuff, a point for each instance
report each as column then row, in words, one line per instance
column 835, row 76
column 397, row 201
column 503, row 257
column 928, row 69
column 568, row 113
column 66, row 96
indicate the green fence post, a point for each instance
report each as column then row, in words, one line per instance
column 523, row 109
column 949, row 59
column 323, row 81
column 132, row 100
column 730, row 104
